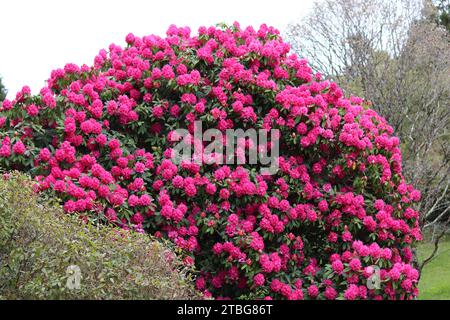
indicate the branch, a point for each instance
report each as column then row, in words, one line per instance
column 438, row 218
column 436, row 203
column 436, row 246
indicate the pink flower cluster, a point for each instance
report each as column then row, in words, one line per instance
column 101, row 138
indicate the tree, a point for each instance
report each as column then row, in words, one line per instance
column 443, row 13
column 398, row 58
column 2, row 91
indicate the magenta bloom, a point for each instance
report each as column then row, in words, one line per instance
column 19, row 148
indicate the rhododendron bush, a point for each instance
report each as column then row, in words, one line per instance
column 336, row 214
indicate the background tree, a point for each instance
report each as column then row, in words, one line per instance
column 396, row 56
column 2, row 90
column 443, row 13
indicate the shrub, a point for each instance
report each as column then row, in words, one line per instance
column 40, row 246
column 102, row 139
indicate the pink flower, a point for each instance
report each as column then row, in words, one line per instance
column 217, row 248
column 137, row 218
column 259, row 280
column 111, row 214
column 407, row 285
column 394, row 274
column 330, row 293
column 145, row 200
column 19, row 147
column 44, row 155
column 158, row 111
column 323, row 206
column 167, row 72
column 352, row 292
column 114, row 144
column 190, row 190
column 210, row 189
column 32, row 110
column 355, row 265
column 347, row 236
column 133, row 201
column 275, row 285
column 313, row 291
column 337, row 266
column 200, row 284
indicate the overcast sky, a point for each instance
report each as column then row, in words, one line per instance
column 38, row 36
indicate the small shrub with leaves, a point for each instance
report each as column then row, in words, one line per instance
column 46, row 254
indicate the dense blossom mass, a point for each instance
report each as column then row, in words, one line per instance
column 337, row 212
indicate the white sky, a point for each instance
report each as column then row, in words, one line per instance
column 38, row 36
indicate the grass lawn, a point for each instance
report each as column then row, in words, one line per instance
column 435, row 280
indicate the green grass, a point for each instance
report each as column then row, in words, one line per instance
column 435, row 280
